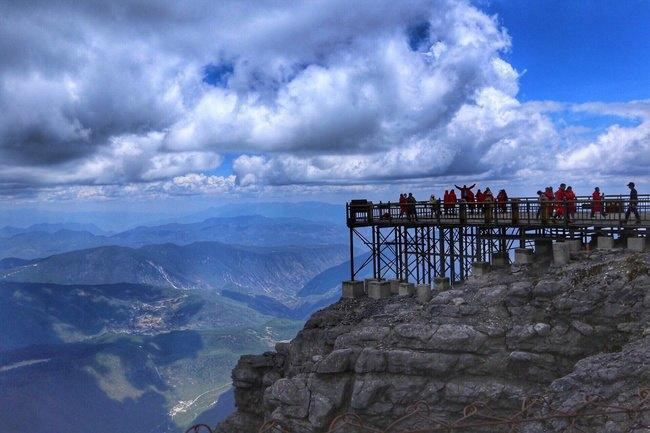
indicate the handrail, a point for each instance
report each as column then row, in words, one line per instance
column 513, row 211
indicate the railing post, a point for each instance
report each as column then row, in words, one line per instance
column 463, row 212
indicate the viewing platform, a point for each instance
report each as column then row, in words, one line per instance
column 424, row 241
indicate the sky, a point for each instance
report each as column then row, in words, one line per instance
column 178, row 105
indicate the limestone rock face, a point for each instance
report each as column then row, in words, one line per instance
column 556, row 331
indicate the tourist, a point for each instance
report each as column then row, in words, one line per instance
column 411, row 204
column 542, row 212
column 488, row 205
column 570, row 198
column 502, row 200
column 464, row 190
column 452, row 201
column 402, row 205
column 597, row 203
column 560, row 201
column 632, row 204
column 479, row 200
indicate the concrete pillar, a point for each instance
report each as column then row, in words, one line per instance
column 394, row 286
column 379, row 289
column 605, row 243
column 543, row 247
column 352, row 289
column 523, row 256
column 442, row 283
column 560, row 253
column 480, row 268
column 574, row 245
column 406, row 289
column 423, row 293
column 500, row 260
column 636, row 244
column 366, row 282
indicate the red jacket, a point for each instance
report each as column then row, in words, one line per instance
column 597, row 204
column 570, row 196
column 559, row 199
column 452, row 197
column 470, row 196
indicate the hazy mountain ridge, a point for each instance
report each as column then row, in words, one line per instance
column 278, row 272
column 241, row 230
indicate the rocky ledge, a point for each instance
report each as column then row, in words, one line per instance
column 560, row 332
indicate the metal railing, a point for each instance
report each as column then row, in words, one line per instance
column 513, row 211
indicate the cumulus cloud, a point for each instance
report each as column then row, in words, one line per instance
column 619, row 150
column 139, row 97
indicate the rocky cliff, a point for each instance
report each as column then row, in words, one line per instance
column 559, row 332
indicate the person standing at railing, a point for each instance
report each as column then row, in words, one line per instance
column 435, row 206
column 570, row 198
column 542, row 212
column 502, row 200
column 488, row 205
column 411, row 205
column 402, row 205
column 597, row 203
column 560, row 201
column 470, row 201
column 464, row 190
column 446, row 202
column 452, row 201
column 632, row 204
column 479, row 200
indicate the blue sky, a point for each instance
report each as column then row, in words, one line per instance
column 578, row 51
column 273, row 100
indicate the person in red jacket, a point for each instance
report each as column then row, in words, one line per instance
column 560, row 200
column 597, row 203
column 502, row 199
column 470, row 201
column 452, row 201
column 402, row 205
column 570, row 198
column 480, row 197
column 464, row 190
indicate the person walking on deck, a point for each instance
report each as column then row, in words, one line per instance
column 632, row 204
column 597, row 203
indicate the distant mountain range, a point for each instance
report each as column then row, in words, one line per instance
column 243, row 230
column 143, row 326
column 279, row 272
column 120, row 220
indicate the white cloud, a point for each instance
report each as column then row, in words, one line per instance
column 108, row 98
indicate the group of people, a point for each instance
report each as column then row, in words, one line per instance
column 560, row 204
column 554, row 204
